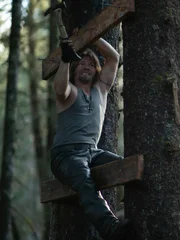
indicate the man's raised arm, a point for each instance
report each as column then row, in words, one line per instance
column 110, row 67
column 61, row 81
column 62, row 86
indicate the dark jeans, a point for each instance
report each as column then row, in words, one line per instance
column 71, row 164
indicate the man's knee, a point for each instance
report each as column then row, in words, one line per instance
column 105, row 157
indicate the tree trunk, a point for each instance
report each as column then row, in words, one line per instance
column 68, row 220
column 109, row 136
column 9, row 121
column 41, row 160
column 51, row 112
column 15, row 231
column 151, row 81
column 33, row 86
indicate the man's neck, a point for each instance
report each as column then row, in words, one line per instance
column 85, row 87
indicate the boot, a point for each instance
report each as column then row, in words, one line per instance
column 122, row 230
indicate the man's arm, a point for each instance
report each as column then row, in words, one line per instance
column 62, row 87
column 110, row 67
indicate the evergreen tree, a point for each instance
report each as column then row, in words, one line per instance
column 9, row 121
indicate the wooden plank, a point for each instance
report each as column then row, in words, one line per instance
column 105, row 176
column 94, row 29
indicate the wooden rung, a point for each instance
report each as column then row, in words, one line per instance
column 105, row 176
column 94, row 29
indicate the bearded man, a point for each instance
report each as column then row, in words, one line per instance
column 81, row 90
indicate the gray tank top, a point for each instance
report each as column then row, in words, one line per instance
column 82, row 122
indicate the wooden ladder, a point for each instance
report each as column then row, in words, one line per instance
column 89, row 33
column 105, row 176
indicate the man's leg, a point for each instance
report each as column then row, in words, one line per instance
column 74, row 171
column 100, row 157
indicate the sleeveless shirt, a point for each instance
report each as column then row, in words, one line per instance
column 82, row 122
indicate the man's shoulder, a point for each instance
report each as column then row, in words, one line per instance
column 64, row 103
column 101, row 87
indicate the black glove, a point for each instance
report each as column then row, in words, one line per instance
column 67, row 51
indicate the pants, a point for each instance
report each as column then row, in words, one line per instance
column 71, row 164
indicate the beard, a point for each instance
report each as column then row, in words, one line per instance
column 86, row 78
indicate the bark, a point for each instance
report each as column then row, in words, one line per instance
column 33, row 86
column 51, row 112
column 109, row 136
column 9, row 121
column 151, row 115
column 68, row 220
column 42, row 169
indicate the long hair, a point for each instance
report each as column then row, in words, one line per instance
column 88, row 52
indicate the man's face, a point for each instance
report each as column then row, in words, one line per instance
column 86, row 70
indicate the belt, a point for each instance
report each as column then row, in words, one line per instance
column 76, row 146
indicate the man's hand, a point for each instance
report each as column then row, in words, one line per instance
column 67, row 47
column 68, row 50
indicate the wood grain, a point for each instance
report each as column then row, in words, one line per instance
column 105, row 176
column 94, row 29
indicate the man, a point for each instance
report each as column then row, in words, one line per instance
column 81, row 97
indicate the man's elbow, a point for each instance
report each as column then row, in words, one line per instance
column 114, row 58
column 117, row 57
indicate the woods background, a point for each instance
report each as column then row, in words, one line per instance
column 32, row 116
column 151, row 78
